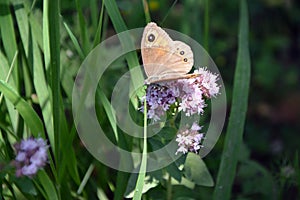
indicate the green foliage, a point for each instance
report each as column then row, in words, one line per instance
column 195, row 170
column 239, row 106
column 25, row 110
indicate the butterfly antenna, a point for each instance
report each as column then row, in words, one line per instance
column 174, row 3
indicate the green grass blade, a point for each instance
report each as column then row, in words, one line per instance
column 9, row 43
column 169, row 9
column 37, row 30
column 48, row 187
column 132, row 60
column 75, row 42
column 8, row 73
column 54, row 36
column 7, row 31
column 122, row 177
column 235, row 128
column 42, row 89
column 5, row 69
column 146, row 11
column 67, row 151
column 93, row 5
column 206, row 25
column 142, row 173
column 109, row 112
column 43, row 94
column 46, row 40
column 70, row 156
column 22, row 21
column 35, row 59
column 115, row 15
column 26, row 76
column 67, row 78
column 122, row 180
column 26, row 111
column 97, row 38
column 83, row 29
column 85, row 178
column 126, row 41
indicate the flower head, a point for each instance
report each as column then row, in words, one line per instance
column 185, row 95
column 159, row 98
column 191, row 97
column 207, row 81
column 189, row 94
column 189, row 140
column 31, row 156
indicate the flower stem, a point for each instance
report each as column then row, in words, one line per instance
column 142, row 173
column 169, row 188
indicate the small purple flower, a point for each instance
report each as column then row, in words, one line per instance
column 29, row 170
column 207, row 81
column 31, row 156
column 196, row 127
column 189, row 139
column 159, row 98
column 191, row 96
column 39, row 158
column 21, row 157
column 28, row 145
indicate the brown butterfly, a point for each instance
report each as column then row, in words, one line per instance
column 163, row 58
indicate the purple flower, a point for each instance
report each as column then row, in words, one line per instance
column 188, row 93
column 159, row 98
column 207, row 81
column 196, row 127
column 189, row 139
column 21, row 157
column 31, row 156
column 39, row 158
column 191, row 97
column 29, row 170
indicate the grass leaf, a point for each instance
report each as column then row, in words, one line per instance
column 75, row 42
column 26, row 111
column 235, row 128
column 8, row 38
column 97, row 38
column 54, row 35
column 47, row 184
column 126, row 41
column 142, row 173
column 83, row 29
column 42, row 89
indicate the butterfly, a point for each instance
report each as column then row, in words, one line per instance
column 163, row 58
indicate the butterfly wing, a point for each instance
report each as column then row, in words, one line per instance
column 162, row 57
column 181, row 59
column 154, row 46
